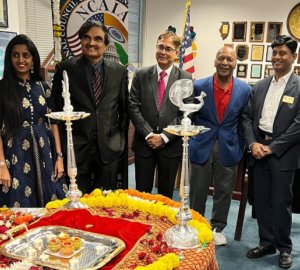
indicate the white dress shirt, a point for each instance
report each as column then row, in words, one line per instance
column 272, row 101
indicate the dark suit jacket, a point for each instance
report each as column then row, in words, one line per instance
column 286, row 129
column 109, row 118
column 228, row 132
column 144, row 114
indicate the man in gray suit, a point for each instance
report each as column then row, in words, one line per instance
column 151, row 111
column 99, row 87
column 272, row 130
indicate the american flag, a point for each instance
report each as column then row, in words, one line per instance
column 186, row 54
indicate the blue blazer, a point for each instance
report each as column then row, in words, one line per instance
column 229, row 132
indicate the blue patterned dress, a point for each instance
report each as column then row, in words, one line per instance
column 30, row 153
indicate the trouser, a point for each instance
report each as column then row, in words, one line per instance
column 201, row 177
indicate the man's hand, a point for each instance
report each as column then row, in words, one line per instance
column 259, row 150
column 155, row 141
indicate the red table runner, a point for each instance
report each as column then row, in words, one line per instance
column 128, row 231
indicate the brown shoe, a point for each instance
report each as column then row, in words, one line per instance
column 260, row 251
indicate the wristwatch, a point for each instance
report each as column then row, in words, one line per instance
column 60, row 154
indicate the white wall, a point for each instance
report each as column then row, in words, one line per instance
column 13, row 16
column 206, row 17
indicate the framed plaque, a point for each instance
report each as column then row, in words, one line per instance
column 292, row 22
column 269, row 52
column 224, row 30
column 274, row 30
column 269, row 71
column 3, row 14
column 257, row 52
column 257, row 31
column 242, row 52
column 239, row 31
column 256, row 71
column 241, row 70
column 297, row 70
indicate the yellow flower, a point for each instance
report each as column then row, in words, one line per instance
column 91, row 201
column 205, row 236
column 97, row 192
column 140, row 268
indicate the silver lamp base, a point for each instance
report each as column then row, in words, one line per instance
column 75, row 205
column 182, row 237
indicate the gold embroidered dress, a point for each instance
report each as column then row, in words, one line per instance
column 30, row 153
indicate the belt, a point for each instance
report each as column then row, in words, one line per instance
column 265, row 135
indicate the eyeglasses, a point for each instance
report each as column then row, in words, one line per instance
column 162, row 48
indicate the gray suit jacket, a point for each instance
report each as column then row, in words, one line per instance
column 144, row 114
column 286, row 129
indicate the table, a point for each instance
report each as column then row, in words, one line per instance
column 137, row 224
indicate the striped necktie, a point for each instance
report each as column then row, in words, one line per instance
column 97, row 84
column 161, row 88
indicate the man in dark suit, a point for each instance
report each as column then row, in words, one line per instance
column 151, row 112
column 99, row 139
column 214, row 154
column 272, row 130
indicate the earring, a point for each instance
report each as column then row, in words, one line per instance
column 31, row 70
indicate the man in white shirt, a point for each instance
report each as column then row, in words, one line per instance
column 271, row 123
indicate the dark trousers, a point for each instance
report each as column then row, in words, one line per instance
column 166, row 172
column 273, row 203
column 93, row 173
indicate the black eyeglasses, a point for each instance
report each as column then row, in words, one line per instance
column 162, row 48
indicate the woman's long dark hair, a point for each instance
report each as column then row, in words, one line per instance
column 12, row 107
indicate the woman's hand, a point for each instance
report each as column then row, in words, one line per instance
column 59, row 168
column 5, row 178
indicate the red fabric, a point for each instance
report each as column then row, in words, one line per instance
column 129, row 232
column 222, row 97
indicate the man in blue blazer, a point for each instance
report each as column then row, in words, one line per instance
column 272, row 129
column 215, row 154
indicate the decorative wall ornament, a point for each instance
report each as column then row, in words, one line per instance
column 293, row 22
column 242, row 52
column 224, row 30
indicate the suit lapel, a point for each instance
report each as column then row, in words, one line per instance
column 82, row 66
column 210, row 98
column 290, row 86
column 263, row 92
column 153, row 78
column 172, row 78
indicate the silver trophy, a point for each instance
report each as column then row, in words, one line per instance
column 183, row 236
column 68, row 115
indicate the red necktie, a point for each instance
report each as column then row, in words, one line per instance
column 161, row 88
column 96, row 81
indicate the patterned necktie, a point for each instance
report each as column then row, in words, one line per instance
column 97, row 85
column 161, row 88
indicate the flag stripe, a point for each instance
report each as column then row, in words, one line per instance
column 186, row 55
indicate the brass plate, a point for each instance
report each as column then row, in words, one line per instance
column 293, row 22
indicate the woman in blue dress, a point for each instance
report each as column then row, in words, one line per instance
column 31, row 163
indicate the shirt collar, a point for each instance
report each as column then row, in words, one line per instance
column 168, row 71
column 285, row 78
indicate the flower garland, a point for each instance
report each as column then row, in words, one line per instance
column 56, row 31
column 144, row 202
column 148, row 203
